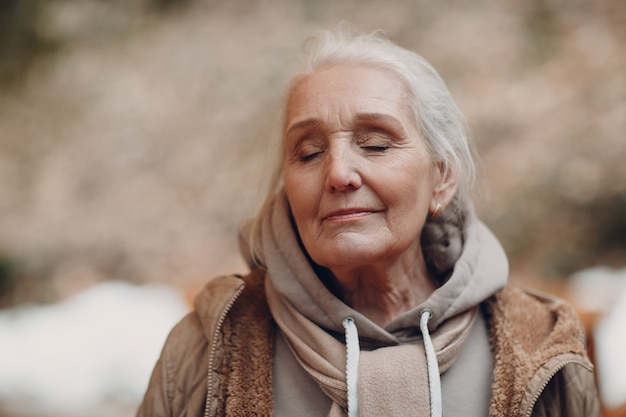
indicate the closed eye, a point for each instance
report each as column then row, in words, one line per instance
column 374, row 141
column 376, row 148
column 309, row 157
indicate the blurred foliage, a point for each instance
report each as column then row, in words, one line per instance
column 8, row 280
column 598, row 236
column 30, row 32
column 542, row 29
column 168, row 5
column 22, row 40
column 561, row 236
column 609, row 214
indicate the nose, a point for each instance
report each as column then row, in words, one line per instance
column 341, row 171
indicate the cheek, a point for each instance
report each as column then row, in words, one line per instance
column 411, row 195
column 299, row 194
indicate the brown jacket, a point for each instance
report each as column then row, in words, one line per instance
column 540, row 364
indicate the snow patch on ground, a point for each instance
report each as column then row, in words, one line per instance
column 95, row 348
column 603, row 290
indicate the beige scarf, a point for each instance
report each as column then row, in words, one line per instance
column 392, row 380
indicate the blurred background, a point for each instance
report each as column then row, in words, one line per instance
column 134, row 138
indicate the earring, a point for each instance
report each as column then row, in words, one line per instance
column 436, row 212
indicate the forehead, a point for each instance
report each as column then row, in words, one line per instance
column 344, row 88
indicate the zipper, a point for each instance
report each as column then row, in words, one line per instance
column 218, row 328
column 548, row 378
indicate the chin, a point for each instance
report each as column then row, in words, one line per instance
column 350, row 258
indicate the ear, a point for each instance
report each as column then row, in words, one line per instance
column 445, row 187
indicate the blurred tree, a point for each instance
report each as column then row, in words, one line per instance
column 609, row 214
column 167, row 5
column 541, row 22
column 26, row 38
column 7, row 280
column 22, row 41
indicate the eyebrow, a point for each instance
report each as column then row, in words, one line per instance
column 368, row 117
column 381, row 117
column 303, row 124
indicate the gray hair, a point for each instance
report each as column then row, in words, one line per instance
column 435, row 112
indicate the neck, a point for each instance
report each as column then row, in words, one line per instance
column 382, row 293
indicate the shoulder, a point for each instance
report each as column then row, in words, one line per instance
column 535, row 337
column 531, row 319
column 214, row 298
column 570, row 392
column 178, row 382
column 223, row 307
column 220, row 295
column 179, row 369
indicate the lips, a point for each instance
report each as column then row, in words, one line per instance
column 348, row 214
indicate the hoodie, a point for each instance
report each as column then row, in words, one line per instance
column 481, row 270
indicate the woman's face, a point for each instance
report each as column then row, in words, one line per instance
column 357, row 175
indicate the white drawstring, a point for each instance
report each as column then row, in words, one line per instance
column 434, row 381
column 353, row 350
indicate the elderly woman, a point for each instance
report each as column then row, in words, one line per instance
column 374, row 290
